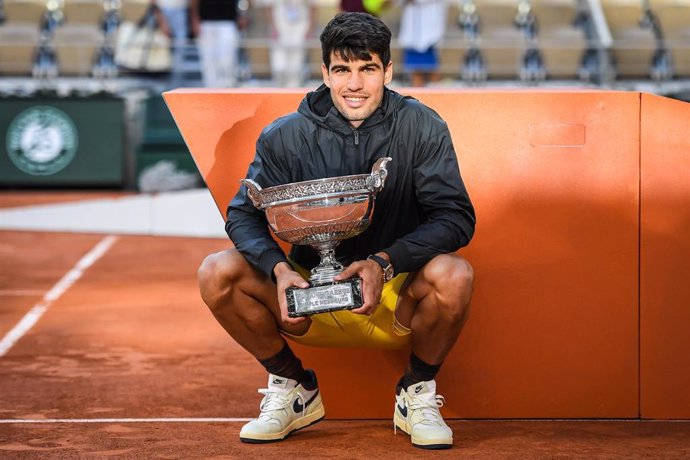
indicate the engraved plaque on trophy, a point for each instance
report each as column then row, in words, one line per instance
column 321, row 213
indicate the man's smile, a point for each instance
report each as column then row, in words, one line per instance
column 354, row 101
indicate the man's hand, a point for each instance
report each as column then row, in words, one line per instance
column 286, row 277
column 372, row 284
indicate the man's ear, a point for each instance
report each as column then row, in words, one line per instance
column 388, row 73
column 324, row 73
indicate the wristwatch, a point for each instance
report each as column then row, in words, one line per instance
column 385, row 265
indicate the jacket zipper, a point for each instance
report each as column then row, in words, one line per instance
column 356, row 136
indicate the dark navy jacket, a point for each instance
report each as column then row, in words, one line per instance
column 423, row 210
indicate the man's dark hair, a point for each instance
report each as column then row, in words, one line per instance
column 356, row 36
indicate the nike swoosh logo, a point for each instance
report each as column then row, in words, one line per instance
column 418, row 389
column 403, row 410
column 297, row 406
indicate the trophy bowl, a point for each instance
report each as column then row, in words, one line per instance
column 320, row 213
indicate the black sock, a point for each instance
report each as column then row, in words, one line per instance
column 418, row 371
column 286, row 364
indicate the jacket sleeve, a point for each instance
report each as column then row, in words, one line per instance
column 246, row 225
column 449, row 218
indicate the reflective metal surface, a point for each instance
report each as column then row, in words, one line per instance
column 321, row 213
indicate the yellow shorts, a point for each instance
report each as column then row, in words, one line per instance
column 344, row 329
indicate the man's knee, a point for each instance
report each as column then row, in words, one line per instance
column 453, row 280
column 217, row 265
column 450, row 271
column 219, row 272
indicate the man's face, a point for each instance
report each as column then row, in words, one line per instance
column 356, row 86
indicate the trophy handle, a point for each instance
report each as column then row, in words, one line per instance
column 378, row 175
column 254, row 192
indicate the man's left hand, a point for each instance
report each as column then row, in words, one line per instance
column 372, row 284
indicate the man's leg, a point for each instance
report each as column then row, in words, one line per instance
column 434, row 305
column 244, row 302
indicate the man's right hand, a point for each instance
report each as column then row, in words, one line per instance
column 286, row 277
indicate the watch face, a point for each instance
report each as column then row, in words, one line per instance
column 388, row 273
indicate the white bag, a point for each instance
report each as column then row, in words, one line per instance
column 142, row 47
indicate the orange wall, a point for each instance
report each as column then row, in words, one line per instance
column 665, row 259
column 555, row 178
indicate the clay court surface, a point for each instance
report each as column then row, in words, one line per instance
column 121, row 359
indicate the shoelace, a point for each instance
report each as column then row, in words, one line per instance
column 424, row 411
column 275, row 400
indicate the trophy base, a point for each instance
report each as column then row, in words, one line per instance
column 324, row 297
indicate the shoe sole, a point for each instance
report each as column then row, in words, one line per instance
column 296, row 425
column 427, row 444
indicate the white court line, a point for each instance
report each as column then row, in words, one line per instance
column 7, row 421
column 28, row 321
column 127, row 420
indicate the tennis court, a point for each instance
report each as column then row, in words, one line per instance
column 108, row 352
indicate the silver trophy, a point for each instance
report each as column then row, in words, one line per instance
column 320, row 213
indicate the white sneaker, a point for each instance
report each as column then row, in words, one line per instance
column 286, row 407
column 417, row 414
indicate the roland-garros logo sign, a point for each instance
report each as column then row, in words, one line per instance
column 42, row 140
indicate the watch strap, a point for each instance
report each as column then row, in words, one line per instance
column 385, row 266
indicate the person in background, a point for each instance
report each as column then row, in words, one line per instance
column 175, row 24
column 352, row 6
column 422, row 26
column 216, row 24
column 291, row 22
column 373, row 7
